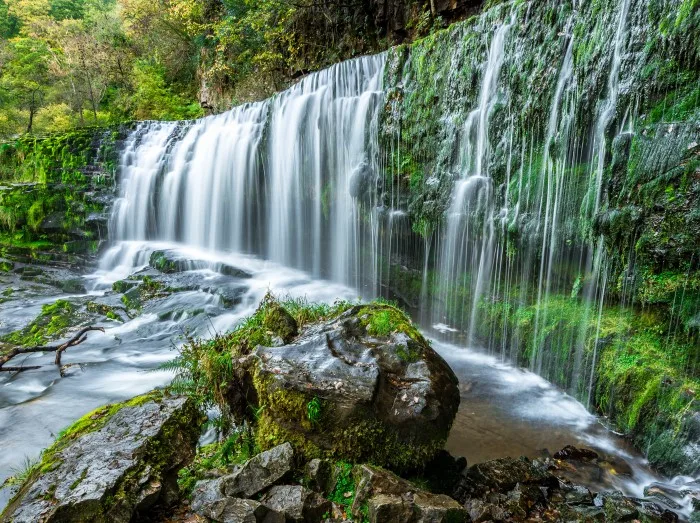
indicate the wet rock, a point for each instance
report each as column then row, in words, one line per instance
column 444, row 472
column 297, row 503
column 360, row 180
column 389, row 496
column 576, row 494
column 437, row 508
column 480, row 510
column 320, row 475
column 210, row 502
column 73, row 286
column 618, row 508
column 389, row 399
column 169, row 262
column 503, row 475
column 118, row 461
column 658, row 493
column 573, row 453
column 384, row 507
column 122, row 286
column 259, row 472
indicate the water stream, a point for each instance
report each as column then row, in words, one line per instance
column 293, row 190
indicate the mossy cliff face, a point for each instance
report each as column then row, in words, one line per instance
column 552, row 184
column 55, row 190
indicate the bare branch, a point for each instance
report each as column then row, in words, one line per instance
column 77, row 339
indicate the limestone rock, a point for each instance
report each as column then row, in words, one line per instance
column 390, row 498
column 259, row 472
column 297, row 503
column 210, row 501
column 115, row 462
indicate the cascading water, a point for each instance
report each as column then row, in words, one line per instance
column 467, row 180
column 468, row 242
column 312, row 179
column 296, row 197
column 346, row 176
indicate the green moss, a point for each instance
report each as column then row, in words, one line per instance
column 383, row 319
column 52, row 323
column 46, row 181
column 362, row 439
column 236, row 449
column 343, row 492
column 122, row 286
column 161, row 262
column 645, row 377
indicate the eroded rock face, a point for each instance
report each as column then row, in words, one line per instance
column 116, row 462
column 339, row 391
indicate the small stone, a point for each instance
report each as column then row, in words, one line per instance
column 259, row 472
column 297, row 503
column 319, row 475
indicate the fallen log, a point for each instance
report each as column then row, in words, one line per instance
column 59, row 349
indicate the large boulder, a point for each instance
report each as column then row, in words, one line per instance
column 365, row 386
column 112, row 464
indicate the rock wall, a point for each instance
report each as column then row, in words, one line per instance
column 54, row 194
column 551, row 181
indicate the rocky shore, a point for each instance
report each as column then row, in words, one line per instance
column 325, row 413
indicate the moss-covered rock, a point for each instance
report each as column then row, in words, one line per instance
column 114, row 463
column 55, row 190
column 52, row 323
column 364, row 386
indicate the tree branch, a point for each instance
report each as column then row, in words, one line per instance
column 79, row 337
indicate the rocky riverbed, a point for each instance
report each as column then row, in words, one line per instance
column 320, row 403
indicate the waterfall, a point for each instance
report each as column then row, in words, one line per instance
column 463, row 176
column 286, row 179
column 468, row 243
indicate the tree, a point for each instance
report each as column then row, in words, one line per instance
column 25, row 77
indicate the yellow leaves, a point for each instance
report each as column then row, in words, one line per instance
column 189, row 14
column 32, row 14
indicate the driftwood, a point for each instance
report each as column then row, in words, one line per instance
column 79, row 337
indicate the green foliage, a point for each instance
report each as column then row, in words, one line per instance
column 24, row 80
column 236, row 449
column 344, row 490
column 646, row 374
column 154, row 99
column 313, row 410
column 22, row 473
